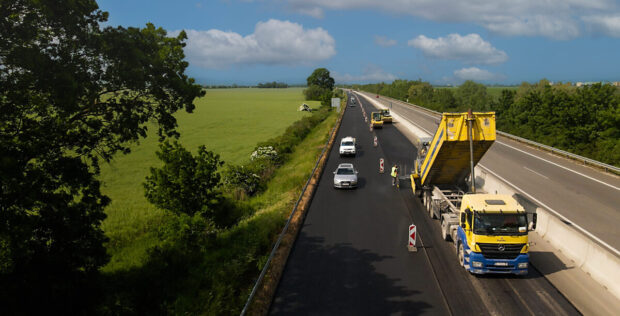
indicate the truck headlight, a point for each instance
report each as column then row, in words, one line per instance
column 522, row 265
column 477, row 264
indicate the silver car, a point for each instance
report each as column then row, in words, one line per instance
column 345, row 176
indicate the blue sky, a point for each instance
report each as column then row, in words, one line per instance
column 359, row 41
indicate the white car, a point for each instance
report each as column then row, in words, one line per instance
column 347, row 146
column 345, row 176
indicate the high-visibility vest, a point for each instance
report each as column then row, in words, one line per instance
column 394, row 171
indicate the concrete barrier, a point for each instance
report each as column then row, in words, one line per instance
column 601, row 264
column 588, row 255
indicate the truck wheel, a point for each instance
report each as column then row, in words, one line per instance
column 444, row 232
column 461, row 255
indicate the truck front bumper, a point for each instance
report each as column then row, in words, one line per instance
column 478, row 264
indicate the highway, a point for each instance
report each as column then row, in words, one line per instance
column 350, row 257
column 587, row 197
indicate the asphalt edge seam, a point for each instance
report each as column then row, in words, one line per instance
column 259, row 302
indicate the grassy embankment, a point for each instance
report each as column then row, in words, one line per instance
column 229, row 122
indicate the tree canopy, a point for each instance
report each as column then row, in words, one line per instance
column 72, row 93
column 321, row 77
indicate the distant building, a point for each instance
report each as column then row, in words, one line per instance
column 616, row 83
column 579, row 84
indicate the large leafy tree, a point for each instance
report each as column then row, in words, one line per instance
column 72, row 94
column 320, row 86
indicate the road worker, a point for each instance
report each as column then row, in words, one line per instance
column 394, row 175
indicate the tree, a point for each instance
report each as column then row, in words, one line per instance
column 473, row 95
column 321, row 77
column 72, row 94
column 185, row 184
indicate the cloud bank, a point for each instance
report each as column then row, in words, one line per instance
column 470, row 49
column 557, row 19
column 273, row 42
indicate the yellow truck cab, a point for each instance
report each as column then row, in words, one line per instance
column 376, row 120
column 492, row 235
column 386, row 117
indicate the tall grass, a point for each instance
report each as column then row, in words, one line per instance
column 229, row 122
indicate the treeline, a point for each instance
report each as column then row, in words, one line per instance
column 582, row 120
column 272, row 85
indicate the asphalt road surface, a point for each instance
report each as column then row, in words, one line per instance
column 350, row 257
column 585, row 196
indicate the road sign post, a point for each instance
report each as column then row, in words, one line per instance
column 412, row 235
column 381, row 165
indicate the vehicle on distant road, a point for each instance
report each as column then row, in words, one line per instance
column 345, row 176
column 376, row 120
column 347, row 146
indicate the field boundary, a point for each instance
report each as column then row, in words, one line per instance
column 586, row 161
column 260, row 298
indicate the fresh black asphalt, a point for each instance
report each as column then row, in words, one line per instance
column 350, row 257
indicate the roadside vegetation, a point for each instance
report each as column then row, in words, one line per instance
column 211, row 244
column 582, row 120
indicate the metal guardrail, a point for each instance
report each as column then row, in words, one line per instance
column 586, row 161
column 259, row 281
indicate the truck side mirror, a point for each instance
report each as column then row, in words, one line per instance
column 463, row 218
column 532, row 225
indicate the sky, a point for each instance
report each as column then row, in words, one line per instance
column 444, row 42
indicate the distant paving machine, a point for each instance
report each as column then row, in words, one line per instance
column 489, row 231
column 386, row 117
column 375, row 120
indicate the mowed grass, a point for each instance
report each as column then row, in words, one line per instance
column 229, row 122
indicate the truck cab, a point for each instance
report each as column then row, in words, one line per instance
column 492, row 236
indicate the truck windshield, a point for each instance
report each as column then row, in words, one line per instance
column 500, row 224
column 376, row 116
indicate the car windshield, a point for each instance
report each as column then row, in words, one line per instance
column 345, row 171
column 347, row 143
column 500, row 224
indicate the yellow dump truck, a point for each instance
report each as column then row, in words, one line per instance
column 386, row 117
column 375, row 120
column 489, row 231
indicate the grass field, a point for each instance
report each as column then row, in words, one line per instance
column 229, row 122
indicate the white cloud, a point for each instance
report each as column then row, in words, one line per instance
column 557, row 19
column 384, row 41
column 273, row 42
column 369, row 74
column 476, row 74
column 470, row 49
column 606, row 24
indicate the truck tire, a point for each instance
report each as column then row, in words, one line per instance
column 461, row 255
column 444, row 232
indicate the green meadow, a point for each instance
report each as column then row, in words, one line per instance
column 229, row 122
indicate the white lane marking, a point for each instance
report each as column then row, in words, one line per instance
column 545, row 160
column 542, row 175
column 560, row 166
column 606, row 245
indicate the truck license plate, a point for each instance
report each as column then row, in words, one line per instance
column 501, row 264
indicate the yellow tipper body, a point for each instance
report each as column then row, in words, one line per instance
column 447, row 160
